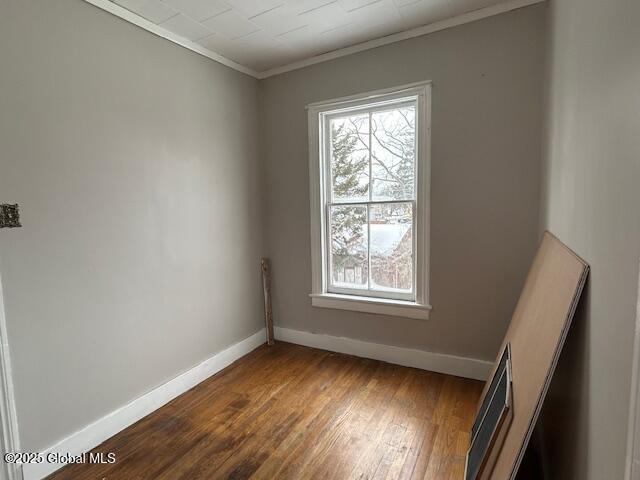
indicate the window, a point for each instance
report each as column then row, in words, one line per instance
column 369, row 167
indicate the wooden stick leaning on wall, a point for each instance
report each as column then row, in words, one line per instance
column 266, row 287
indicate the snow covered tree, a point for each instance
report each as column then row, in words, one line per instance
column 348, row 232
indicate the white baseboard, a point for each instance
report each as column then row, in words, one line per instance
column 408, row 357
column 94, row 434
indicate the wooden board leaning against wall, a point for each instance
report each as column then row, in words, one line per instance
column 537, row 332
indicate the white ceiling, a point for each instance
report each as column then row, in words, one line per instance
column 263, row 34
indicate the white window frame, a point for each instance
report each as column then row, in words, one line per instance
column 383, row 303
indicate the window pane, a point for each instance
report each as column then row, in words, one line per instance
column 391, row 247
column 393, row 148
column 350, row 158
column 349, row 263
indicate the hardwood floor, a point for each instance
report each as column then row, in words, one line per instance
column 292, row 412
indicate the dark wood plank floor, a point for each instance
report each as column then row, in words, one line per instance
column 292, row 412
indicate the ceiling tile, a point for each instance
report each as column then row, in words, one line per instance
column 339, row 37
column 424, row 12
column 353, row 4
column 185, row 27
column 381, row 11
column 199, row 9
column 327, row 16
column 254, row 7
column 264, row 34
column 305, row 42
column 402, row 3
column 298, row 35
column 219, row 44
column 261, row 40
column 279, row 20
column 231, row 24
column 153, row 10
column 300, row 6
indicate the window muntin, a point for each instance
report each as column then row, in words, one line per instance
column 370, row 165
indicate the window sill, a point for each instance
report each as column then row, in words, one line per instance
column 394, row 308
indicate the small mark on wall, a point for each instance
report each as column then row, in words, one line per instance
column 9, row 215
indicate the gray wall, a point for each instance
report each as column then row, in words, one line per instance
column 487, row 117
column 591, row 201
column 136, row 166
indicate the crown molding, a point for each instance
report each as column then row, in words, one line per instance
column 468, row 17
column 407, row 34
column 141, row 22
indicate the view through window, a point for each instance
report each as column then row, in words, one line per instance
column 370, row 162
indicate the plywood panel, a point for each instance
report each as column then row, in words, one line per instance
column 537, row 332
